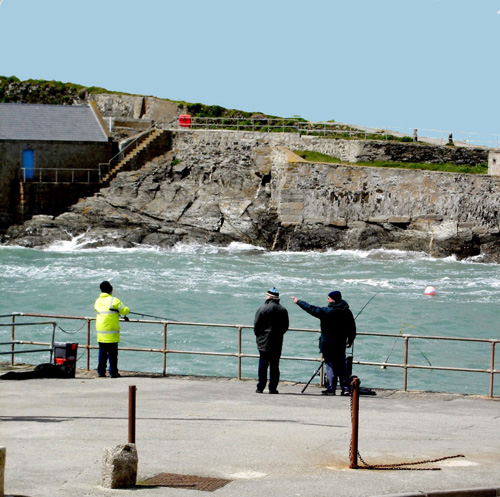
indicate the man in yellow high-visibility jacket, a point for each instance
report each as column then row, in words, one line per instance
column 108, row 309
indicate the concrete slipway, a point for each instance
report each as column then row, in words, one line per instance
column 284, row 445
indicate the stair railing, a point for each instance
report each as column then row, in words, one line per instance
column 105, row 167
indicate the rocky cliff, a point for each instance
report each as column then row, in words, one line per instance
column 219, row 186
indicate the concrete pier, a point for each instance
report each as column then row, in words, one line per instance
column 284, row 445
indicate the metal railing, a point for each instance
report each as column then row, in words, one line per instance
column 106, row 167
column 59, row 175
column 49, row 347
column 347, row 131
column 238, row 353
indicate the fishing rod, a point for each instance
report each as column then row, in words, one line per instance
column 316, row 373
column 352, row 348
column 384, row 364
column 366, row 305
column 151, row 316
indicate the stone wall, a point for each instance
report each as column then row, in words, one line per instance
column 375, row 150
column 132, row 108
column 341, row 194
column 323, row 205
column 220, row 186
column 494, row 163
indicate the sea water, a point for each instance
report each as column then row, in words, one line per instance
column 226, row 285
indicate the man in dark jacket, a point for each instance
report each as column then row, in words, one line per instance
column 270, row 324
column 337, row 330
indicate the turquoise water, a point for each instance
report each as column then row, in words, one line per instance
column 227, row 285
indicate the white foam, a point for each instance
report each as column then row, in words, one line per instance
column 74, row 243
column 199, row 248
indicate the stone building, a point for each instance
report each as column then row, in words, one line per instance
column 43, row 148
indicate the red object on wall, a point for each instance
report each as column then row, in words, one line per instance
column 185, row 120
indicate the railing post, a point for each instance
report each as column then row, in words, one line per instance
column 354, row 422
column 88, row 344
column 492, row 374
column 12, row 339
column 239, row 352
column 405, row 365
column 164, row 372
column 52, row 344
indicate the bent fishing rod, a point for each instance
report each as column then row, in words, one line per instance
column 154, row 317
column 316, row 373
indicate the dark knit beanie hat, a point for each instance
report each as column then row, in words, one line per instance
column 336, row 295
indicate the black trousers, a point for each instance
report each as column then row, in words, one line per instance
column 108, row 351
column 271, row 361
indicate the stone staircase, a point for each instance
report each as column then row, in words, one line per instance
column 156, row 143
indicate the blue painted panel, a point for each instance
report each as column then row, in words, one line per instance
column 29, row 164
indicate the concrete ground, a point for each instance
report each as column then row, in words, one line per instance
column 290, row 444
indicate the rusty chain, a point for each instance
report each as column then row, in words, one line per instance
column 403, row 466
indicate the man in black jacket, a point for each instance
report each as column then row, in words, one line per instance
column 270, row 324
column 338, row 329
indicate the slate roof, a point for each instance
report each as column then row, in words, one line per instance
column 50, row 122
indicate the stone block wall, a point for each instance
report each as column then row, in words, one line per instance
column 352, row 150
column 494, row 163
column 130, row 108
column 340, row 194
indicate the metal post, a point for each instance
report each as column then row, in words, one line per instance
column 165, row 349
column 88, row 344
column 131, row 413
column 354, row 422
column 239, row 352
column 492, row 374
column 12, row 339
column 405, row 365
column 52, row 344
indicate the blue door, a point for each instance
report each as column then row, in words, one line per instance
column 29, row 164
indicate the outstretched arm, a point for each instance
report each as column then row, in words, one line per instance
column 313, row 310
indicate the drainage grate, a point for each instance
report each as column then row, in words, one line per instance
column 186, row 481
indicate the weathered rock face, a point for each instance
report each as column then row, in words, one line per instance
column 216, row 187
column 214, row 193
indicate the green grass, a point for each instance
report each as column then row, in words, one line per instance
column 447, row 167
